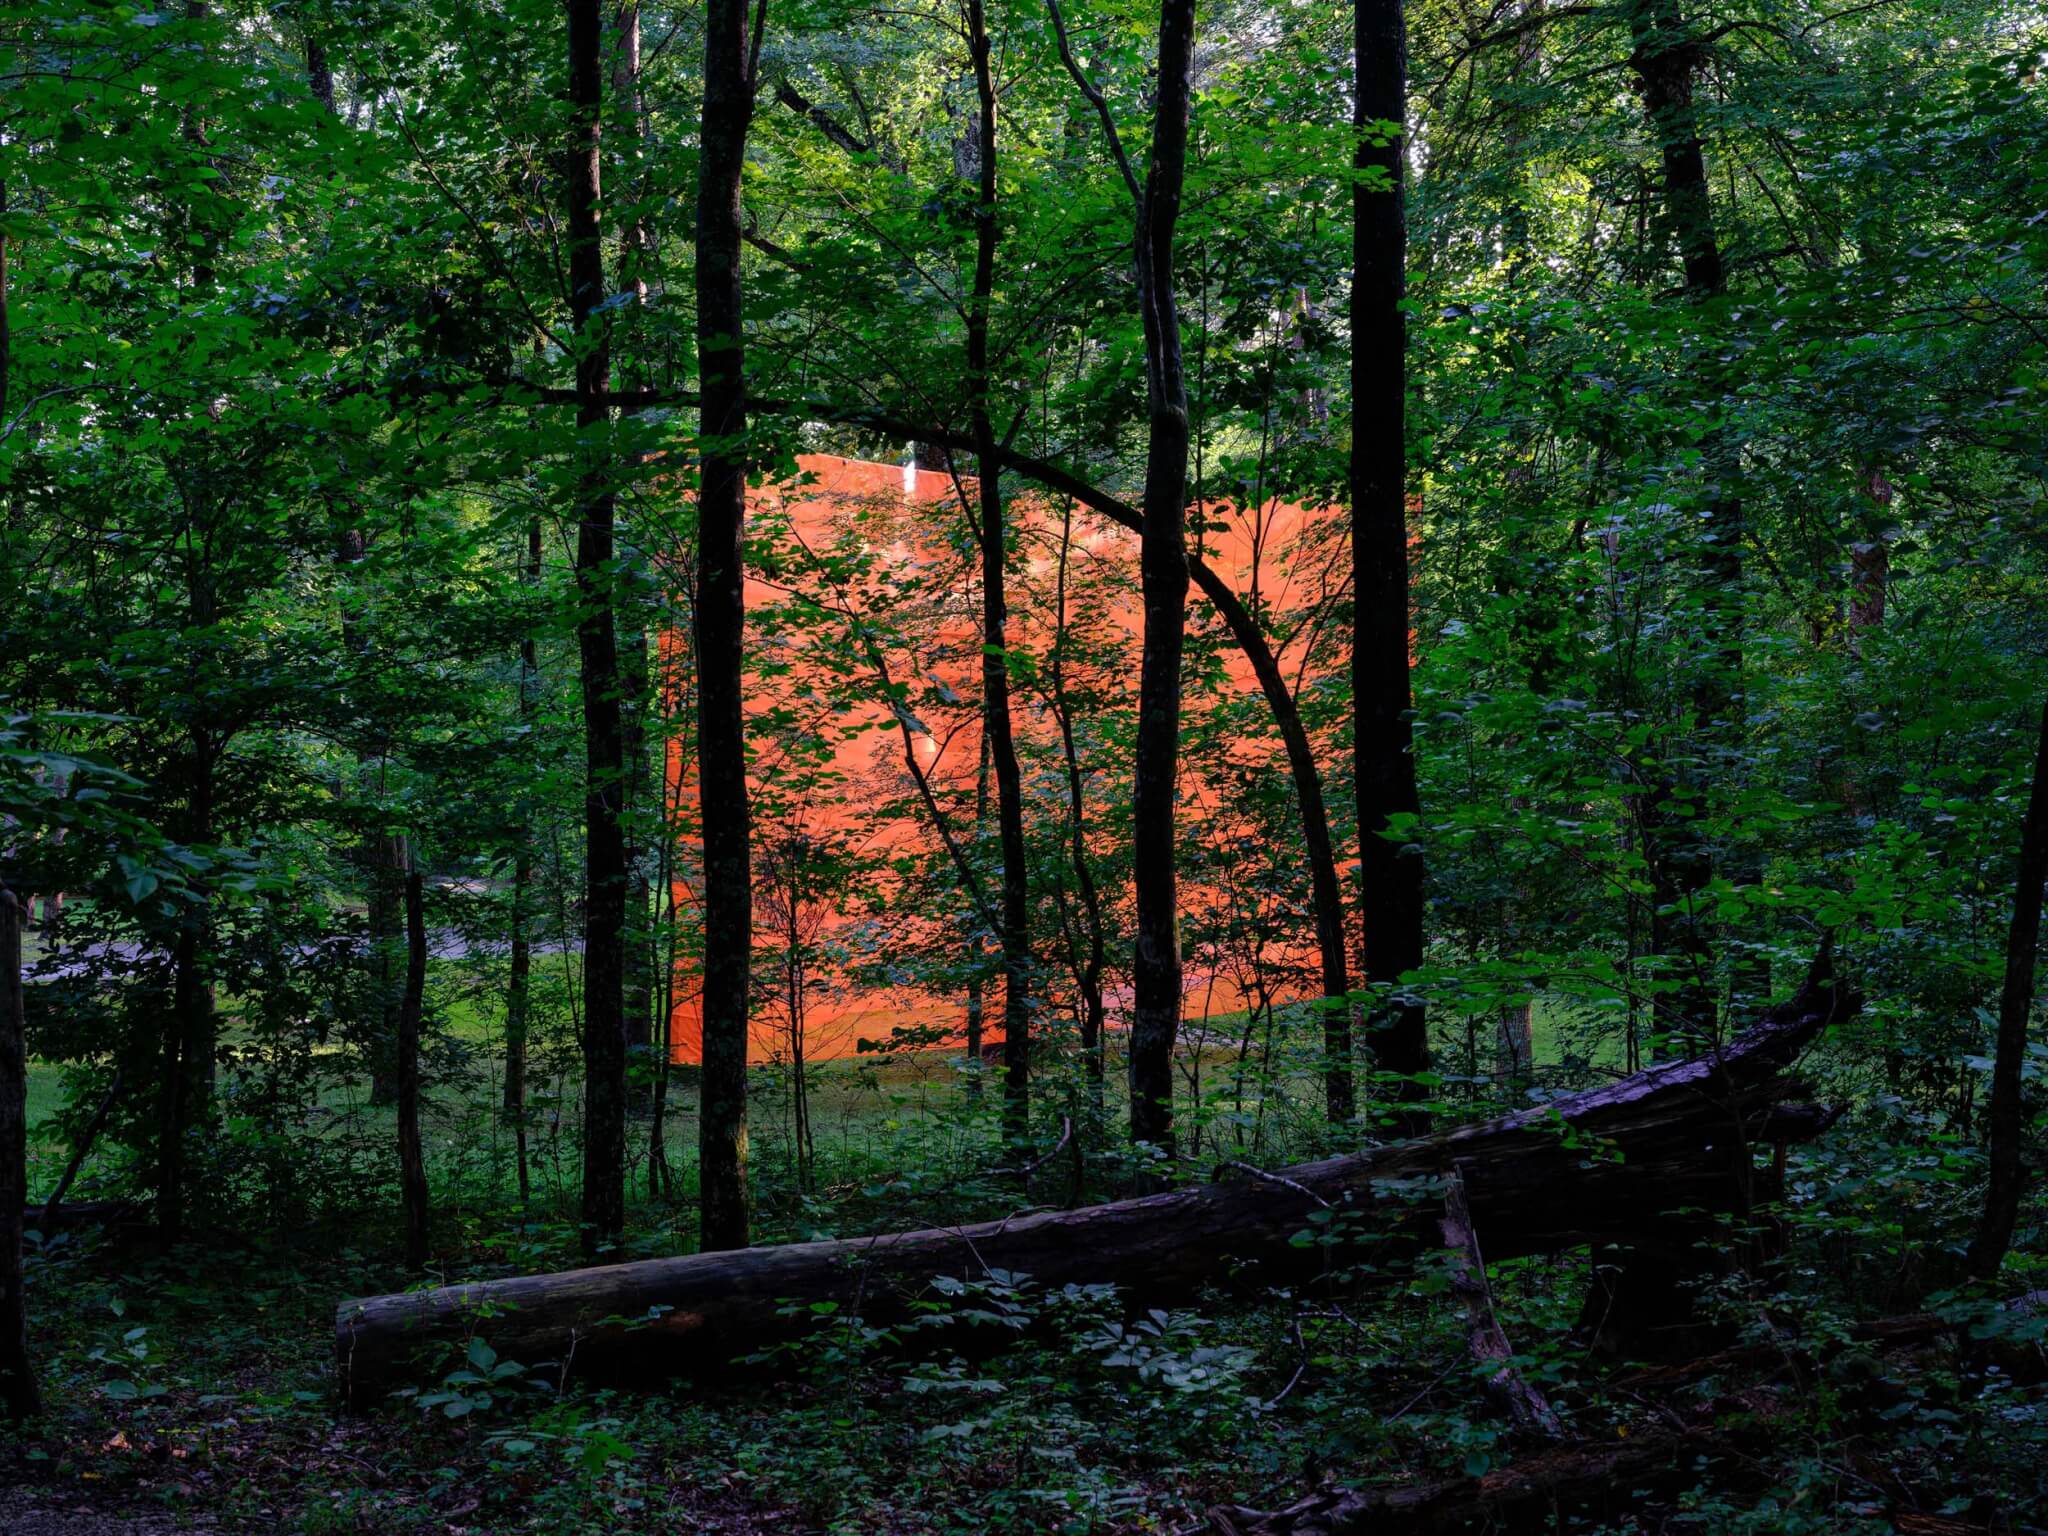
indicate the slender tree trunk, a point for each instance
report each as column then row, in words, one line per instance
column 1514, row 1043
column 1089, row 973
column 658, row 1176
column 386, row 857
column 1870, row 560
column 1665, row 62
column 519, row 983
column 977, row 983
column 189, row 1034
column 383, row 857
column 638, row 985
column 319, row 74
column 518, row 998
column 1383, row 761
column 6, row 333
column 412, row 1164
column 2007, row 1119
column 1318, row 850
column 17, row 1375
column 604, row 923
column 721, row 620
column 799, row 1086
column 633, row 655
column 635, row 243
column 995, row 671
column 1163, row 568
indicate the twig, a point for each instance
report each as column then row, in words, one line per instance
column 1066, row 1135
column 79, row 1153
column 1264, row 1176
column 1300, row 1368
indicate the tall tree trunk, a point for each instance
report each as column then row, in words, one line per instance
column 412, row 1164
column 604, row 924
column 643, row 822
column 1163, row 569
column 386, row 857
column 2007, row 1120
column 17, row 1376
column 189, row 1033
column 6, row 332
column 1383, row 756
column 319, row 73
column 1339, row 1090
column 642, row 795
column 658, row 1176
column 518, row 1004
column 1088, row 974
column 382, row 856
column 1870, row 559
column 519, row 981
column 995, row 669
column 1665, row 61
column 977, row 983
column 721, row 623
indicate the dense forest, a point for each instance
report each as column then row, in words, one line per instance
column 1023, row 766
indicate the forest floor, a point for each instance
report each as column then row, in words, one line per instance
column 194, row 1389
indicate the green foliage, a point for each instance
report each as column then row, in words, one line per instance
column 1753, row 574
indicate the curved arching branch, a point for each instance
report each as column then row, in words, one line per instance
column 1244, row 628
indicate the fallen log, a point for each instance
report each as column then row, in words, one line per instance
column 1596, row 1166
column 51, row 1217
column 1527, row 1409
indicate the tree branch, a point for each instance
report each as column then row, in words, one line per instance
column 826, row 123
column 1116, row 144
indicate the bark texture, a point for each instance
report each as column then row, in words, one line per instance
column 1525, row 1407
column 1163, row 571
column 720, row 629
column 640, row 799
column 18, row 1393
column 995, row 666
column 519, row 981
column 1087, row 953
column 604, row 930
column 1665, row 62
column 1383, row 757
column 412, row 1162
column 1678, row 1134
